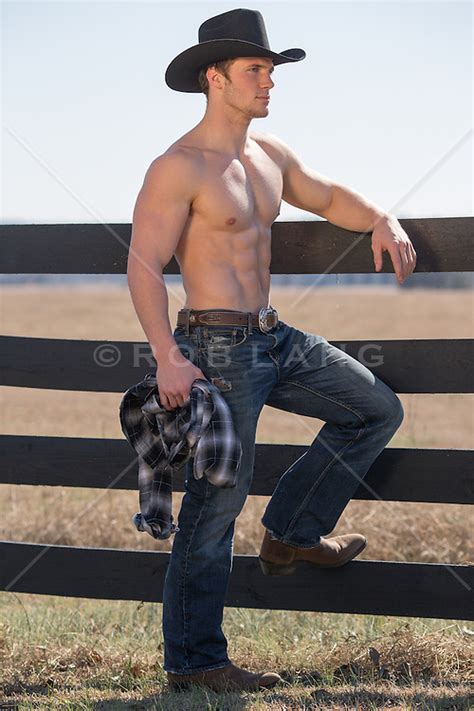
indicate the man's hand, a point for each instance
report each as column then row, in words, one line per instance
column 174, row 377
column 389, row 236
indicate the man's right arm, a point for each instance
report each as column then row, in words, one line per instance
column 159, row 217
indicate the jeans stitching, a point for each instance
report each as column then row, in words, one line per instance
column 205, row 344
column 276, row 357
column 219, row 665
column 326, row 397
column 292, row 522
column 185, row 565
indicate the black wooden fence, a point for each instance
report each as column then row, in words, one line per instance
column 408, row 366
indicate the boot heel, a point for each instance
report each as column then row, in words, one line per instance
column 276, row 568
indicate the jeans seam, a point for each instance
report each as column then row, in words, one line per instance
column 219, row 665
column 326, row 397
column 318, row 481
column 276, row 358
column 289, row 543
column 323, row 473
column 204, row 344
column 185, row 567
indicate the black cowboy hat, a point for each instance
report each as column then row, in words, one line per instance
column 237, row 33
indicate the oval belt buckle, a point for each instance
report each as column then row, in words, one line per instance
column 262, row 319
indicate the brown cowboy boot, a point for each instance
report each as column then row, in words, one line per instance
column 278, row 558
column 228, row 678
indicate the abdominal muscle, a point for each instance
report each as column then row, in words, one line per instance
column 226, row 270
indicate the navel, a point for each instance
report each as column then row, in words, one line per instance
column 231, row 221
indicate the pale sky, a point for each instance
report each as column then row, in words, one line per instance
column 382, row 102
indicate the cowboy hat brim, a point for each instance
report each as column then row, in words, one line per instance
column 182, row 73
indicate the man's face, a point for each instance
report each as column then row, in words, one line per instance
column 248, row 86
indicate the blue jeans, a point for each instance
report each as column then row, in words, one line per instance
column 290, row 370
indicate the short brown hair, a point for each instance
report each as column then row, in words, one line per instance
column 222, row 67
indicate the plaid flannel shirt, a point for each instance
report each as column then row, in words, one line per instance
column 165, row 440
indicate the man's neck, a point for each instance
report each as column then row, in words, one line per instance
column 224, row 131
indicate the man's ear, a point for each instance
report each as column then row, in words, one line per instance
column 214, row 78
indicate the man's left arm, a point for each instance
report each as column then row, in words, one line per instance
column 308, row 190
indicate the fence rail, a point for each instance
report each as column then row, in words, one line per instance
column 443, row 244
column 411, row 366
column 422, row 475
column 360, row 587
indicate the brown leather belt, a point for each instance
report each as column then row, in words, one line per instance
column 265, row 320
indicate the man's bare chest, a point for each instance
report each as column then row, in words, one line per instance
column 238, row 195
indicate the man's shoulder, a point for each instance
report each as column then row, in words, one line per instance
column 272, row 145
column 180, row 156
column 180, row 162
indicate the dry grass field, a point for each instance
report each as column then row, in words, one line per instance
column 100, row 654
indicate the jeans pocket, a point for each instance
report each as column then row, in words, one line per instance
column 218, row 346
column 224, row 338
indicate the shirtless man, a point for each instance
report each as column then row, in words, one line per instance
column 211, row 200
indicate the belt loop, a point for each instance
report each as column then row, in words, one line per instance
column 249, row 322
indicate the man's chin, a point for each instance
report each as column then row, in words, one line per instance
column 264, row 111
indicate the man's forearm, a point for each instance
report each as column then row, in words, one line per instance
column 150, row 299
column 351, row 210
